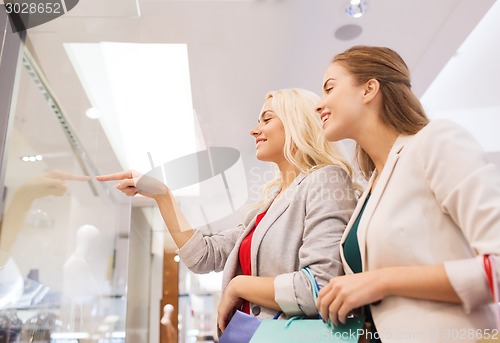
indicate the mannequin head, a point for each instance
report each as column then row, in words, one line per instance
column 86, row 237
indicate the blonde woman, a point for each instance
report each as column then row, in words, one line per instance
column 298, row 223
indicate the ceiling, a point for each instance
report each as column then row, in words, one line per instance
column 238, row 50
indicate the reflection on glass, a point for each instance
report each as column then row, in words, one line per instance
column 63, row 275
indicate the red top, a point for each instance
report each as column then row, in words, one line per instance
column 244, row 254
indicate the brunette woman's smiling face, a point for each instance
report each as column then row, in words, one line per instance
column 341, row 107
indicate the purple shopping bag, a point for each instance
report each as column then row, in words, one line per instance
column 240, row 329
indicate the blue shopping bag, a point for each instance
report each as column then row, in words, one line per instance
column 299, row 329
column 308, row 330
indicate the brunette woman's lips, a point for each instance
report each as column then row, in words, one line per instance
column 324, row 116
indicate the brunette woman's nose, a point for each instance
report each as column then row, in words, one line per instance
column 319, row 106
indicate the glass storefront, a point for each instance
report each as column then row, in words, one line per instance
column 79, row 261
column 65, row 238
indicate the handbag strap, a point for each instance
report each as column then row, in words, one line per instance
column 489, row 268
column 312, row 280
column 491, row 275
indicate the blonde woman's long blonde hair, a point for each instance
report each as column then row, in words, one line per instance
column 305, row 144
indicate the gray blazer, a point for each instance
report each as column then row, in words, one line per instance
column 301, row 229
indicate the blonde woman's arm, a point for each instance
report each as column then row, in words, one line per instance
column 328, row 202
column 255, row 289
column 200, row 254
column 173, row 217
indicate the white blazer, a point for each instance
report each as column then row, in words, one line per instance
column 437, row 200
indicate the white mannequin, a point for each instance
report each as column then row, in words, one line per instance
column 11, row 283
column 167, row 311
column 79, row 282
column 165, row 320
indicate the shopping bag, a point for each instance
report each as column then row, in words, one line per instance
column 244, row 328
column 240, row 329
column 298, row 329
column 491, row 275
column 489, row 269
column 308, row 330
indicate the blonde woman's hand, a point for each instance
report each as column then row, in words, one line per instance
column 133, row 183
column 229, row 303
column 345, row 293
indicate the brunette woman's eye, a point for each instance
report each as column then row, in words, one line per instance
column 327, row 90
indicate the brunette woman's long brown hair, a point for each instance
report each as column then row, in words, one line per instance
column 402, row 111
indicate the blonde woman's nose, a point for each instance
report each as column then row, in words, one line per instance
column 255, row 131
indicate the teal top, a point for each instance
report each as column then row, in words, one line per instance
column 351, row 245
column 353, row 258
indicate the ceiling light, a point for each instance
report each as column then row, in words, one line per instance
column 31, row 158
column 93, row 113
column 143, row 94
column 356, row 8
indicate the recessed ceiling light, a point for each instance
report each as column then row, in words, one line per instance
column 348, row 32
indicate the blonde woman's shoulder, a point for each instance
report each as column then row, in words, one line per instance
column 329, row 173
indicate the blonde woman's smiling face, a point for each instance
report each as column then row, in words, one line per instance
column 269, row 135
